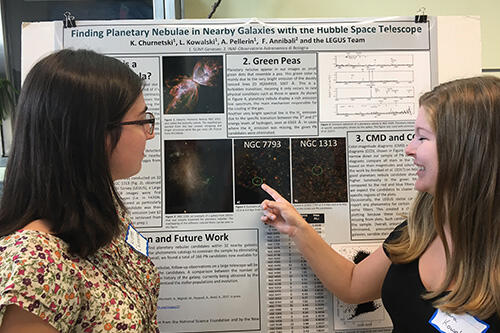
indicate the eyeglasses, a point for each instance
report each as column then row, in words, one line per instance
column 148, row 123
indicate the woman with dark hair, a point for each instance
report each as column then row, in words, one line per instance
column 66, row 262
column 440, row 269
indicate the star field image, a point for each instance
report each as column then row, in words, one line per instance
column 319, row 170
column 258, row 161
column 193, row 84
column 198, row 176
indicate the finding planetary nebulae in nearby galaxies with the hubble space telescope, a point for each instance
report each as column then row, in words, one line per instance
column 193, row 84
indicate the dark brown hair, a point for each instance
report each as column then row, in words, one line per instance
column 58, row 167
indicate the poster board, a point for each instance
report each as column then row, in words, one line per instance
column 320, row 109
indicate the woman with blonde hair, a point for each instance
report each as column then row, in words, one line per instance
column 440, row 269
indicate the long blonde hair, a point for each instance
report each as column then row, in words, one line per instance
column 465, row 115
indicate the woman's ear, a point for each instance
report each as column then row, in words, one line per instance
column 108, row 144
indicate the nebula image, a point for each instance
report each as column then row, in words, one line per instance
column 319, row 170
column 193, row 85
column 198, row 176
column 258, row 161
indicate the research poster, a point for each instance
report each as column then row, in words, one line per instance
column 321, row 110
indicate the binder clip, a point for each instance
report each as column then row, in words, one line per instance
column 421, row 17
column 69, row 20
column 214, row 8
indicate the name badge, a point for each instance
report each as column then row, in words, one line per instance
column 453, row 323
column 137, row 241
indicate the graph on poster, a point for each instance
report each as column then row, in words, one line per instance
column 371, row 86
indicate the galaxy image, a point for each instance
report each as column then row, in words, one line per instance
column 198, row 176
column 193, row 84
column 319, row 170
column 258, row 161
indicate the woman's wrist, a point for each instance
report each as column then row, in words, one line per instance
column 300, row 229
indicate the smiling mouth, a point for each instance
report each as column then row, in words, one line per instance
column 419, row 167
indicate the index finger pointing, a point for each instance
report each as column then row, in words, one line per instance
column 272, row 192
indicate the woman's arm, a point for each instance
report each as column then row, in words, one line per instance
column 18, row 320
column 350, row 282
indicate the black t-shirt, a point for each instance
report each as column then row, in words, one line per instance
column 402, row 292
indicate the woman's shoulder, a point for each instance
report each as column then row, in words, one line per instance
column 396, row 232
column 29, row 243
column 37, row 274
column 31, row 250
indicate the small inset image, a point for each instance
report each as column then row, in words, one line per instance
column 258, row 161
column 198, row 176
column 193, row 84
column 319, row 170
column 353, row 316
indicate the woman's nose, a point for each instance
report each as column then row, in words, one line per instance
column 410, row 148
